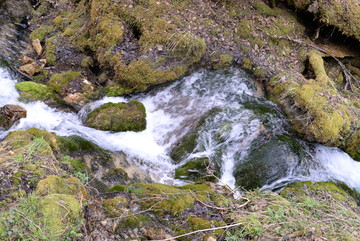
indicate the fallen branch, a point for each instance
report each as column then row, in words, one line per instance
column 201, row 230
column 345, row 71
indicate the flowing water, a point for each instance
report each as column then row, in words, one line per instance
column 235, row 120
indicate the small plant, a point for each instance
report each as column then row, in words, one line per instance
column 82, row 176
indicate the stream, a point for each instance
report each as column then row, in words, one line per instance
column 235, row 125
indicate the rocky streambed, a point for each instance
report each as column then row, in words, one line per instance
column 106, row 134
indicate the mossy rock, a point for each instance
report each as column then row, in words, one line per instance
column 268, row 163
column 61, row 212
column 57, row 185
column 352, row 145
column 61, row 81
column 140, row 74
column 198, row 169
column 31, row 91
column 118, row 117
column 311, row 107
column 41, row 32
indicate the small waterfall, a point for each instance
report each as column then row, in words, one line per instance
column 226, row 136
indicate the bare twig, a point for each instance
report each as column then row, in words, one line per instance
column 201, row 230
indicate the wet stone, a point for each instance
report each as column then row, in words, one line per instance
column 9, row 114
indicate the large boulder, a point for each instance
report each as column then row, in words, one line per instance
column 268, row 163
column 9, row 114
column 129, row 116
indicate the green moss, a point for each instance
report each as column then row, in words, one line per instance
column 245, row 29
column 302, row 190
column 187, row 48
column 132, row 222
column 129, row 116
column 59, row 21
column 115, row 207
column 269, row 162
column 197, row 223
column 330, row 121
column 221, row 60
column 176, row 200
column 117, row 90
column 247, row 64
column 352, row 145
column 110, row 31
column 50, row 55
column 204, row 187
column 260, row 73
column 61, row 213
column 41, row 32
column 264, row 9
column 61, row 80
column 87, row 62
column 119, row 188
column 140, row 74
column 75, row 164
column 317, row 64
column 42, row 76
column 196, row 170
column 42, row 218
column 31, row 91
column 57, row 185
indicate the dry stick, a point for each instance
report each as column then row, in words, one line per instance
column 201, row 230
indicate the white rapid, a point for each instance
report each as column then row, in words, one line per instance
column 238, row 118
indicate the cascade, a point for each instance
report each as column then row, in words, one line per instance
column 233, row 119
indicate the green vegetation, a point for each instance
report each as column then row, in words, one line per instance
column 41, row 32
column 129, row 116
column 50, row 45
column 31, row 91
column 328, row 121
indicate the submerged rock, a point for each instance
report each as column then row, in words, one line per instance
column 129, row 116
column 268, row 163
column 9, row 114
